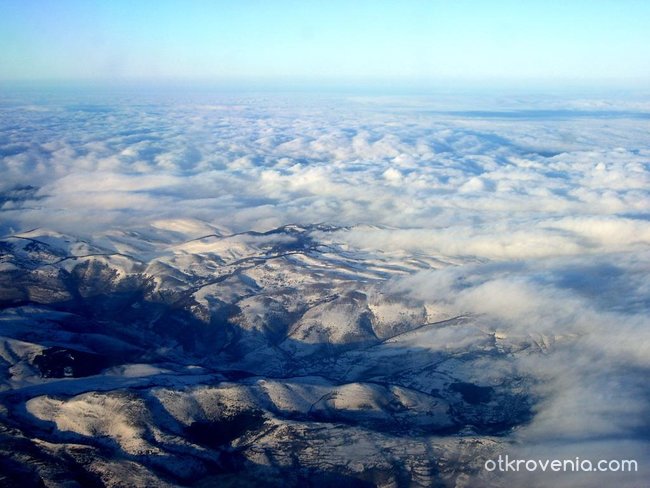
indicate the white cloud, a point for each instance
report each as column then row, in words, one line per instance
column 352, row 160
column 392, row 175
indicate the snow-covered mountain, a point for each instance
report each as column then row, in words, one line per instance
column 255, row 356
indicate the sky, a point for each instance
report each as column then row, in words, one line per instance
column 412, row 41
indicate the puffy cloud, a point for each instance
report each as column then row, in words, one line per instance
column 392, row 175
column 343, row 161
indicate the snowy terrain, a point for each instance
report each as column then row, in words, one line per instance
column 361, row 292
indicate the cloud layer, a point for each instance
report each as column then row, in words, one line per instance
column 543, row 181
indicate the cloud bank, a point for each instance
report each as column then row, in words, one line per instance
column 540, row 182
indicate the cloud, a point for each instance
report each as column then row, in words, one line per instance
column 507, row 240
column 343, row 161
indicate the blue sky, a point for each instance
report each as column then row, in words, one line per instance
column 580, row 41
